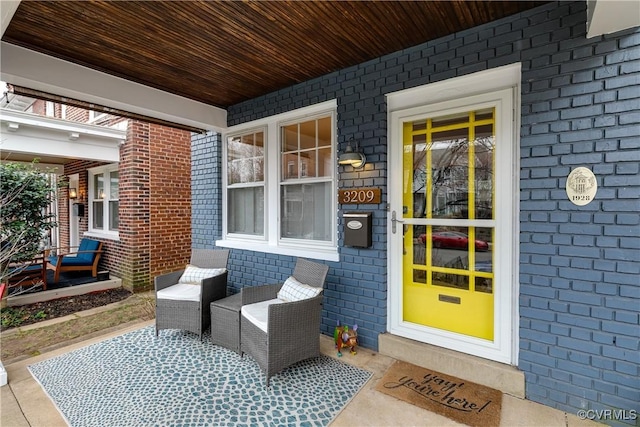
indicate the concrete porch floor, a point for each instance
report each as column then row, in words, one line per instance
column 24, row 403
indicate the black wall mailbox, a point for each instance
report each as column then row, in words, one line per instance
column 78, row 209
column 357, row 229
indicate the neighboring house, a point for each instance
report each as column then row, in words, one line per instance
column 557, row 294
column 131, row 182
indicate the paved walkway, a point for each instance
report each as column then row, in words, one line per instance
column 24, row 403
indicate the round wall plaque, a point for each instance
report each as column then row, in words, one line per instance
column 581, row 186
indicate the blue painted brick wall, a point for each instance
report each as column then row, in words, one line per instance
column 575, row 107
column 206, row 189
column 579, row 291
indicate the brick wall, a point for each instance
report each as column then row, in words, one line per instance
column 155, row 209
column 76, row 114
column 155, row 195
column 579, row 291
column 135, row 219
column 206, row 190
column 38, row 107
column 170, row 199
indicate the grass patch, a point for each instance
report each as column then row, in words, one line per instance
column 31, row 342
column 16, row 317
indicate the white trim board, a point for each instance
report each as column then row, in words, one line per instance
column 34, row 70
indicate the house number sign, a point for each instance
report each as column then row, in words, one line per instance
column 359, row 196
column 581, row 186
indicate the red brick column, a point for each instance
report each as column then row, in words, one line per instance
column 155, row 205
column 134, row 213
column 170, row 231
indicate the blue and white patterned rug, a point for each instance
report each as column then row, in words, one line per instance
column 137, row 379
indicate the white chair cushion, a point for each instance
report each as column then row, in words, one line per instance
column 180, row 292
column 293, row 290
column 258, row 313
column 194, row 275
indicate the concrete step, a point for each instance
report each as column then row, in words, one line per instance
column 505, row 378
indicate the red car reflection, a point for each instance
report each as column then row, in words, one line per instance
column 453, row 240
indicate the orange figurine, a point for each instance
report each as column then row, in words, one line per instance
column 345, row 337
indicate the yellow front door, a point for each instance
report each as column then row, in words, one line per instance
column 448, row 222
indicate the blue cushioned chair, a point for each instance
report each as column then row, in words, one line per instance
column 86, row 258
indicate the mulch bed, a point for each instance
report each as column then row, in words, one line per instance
column 33, row 313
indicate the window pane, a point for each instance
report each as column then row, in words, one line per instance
column 245, row 158
column 258, row 161
column 484, row 145
column 484, row 249
column 245, row 211
column 306, row 149
column 98, row 214
column 450, row 158
column 419, row 160
column 324, row 132
column 290, row 166
column 113, row 185
column 450, row 243
column 450, row 280
column 258, row 169
column 308, row 164
column 325, row 162
column 308, row 135
column 484, row 284
column 236, row 149
column 289, row 138
column 305, row 211
column 98, row 186
column 114, row 220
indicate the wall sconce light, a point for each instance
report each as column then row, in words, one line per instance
column 352, row 156
column 73, row 193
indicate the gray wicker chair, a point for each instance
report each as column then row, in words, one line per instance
column 193, row 316
column 293, row 327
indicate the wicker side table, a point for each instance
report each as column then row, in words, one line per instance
column 225, row 322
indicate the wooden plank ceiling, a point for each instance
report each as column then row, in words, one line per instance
column 225, row 52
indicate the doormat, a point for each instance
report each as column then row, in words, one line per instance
column 462, row 401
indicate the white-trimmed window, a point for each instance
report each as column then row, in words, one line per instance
column 104, row 200
column 306, row 184
column 280, row 184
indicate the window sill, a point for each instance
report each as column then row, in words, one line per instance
column 325, row 254
column 98, row 235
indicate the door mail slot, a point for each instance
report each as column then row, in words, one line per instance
column 357, row 229
column 449, row 298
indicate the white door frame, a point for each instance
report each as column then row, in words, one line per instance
column 501, row 88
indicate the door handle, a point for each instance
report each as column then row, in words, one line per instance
column 394, row 221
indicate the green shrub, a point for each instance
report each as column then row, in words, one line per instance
column 25, row 220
